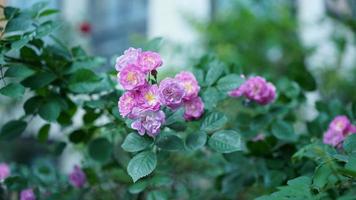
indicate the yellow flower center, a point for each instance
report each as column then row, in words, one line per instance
column 131, row 77
column 150, row 97
column 188, row 86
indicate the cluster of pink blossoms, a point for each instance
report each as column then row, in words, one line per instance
column 77, row 177
column 142, row 100
column 338, row 130
column 256, row 89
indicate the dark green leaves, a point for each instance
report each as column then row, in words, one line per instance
column 50, row 110
column 170, row 142
column 12, row 129
column 134, row 142
column 321, row 176
column 226, row 141
column 13, row 90
column 283, row 131
column 100, row 149
column 350, row 144
column 44, row 133
column 215, row 70
column 195, row 141
column 83, row 81
column 142, row 165
column 213, row 122
column 229, row 82
column 39, row 80
column 18, row 71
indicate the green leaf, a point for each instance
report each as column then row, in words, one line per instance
column 174, row 116
column 78, row 136
column 211, row 97
column 157, row 195
column 43, row 133
column 226, row 141
column 32, row 104
column 10, row 12
column 350, row 144
column 48, row 12
column 13, row 90
column 351, row 163
column 12, row 129
column 321, row 176
column 20, row 23
column 283, row 131
column 39, row 80
column 50, row 110
column 215, row 70
column 84, row 81
column 229, row 82
column 213, row 122
column 142, row 165
column 138, row 187
column 46, row 28
column 18, row 71
column 170, row 142
column 134, row 142
column 195, row 141
column 100, row 149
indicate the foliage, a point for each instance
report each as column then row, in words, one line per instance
column 215, row 157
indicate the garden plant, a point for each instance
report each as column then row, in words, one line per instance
column 214, row 131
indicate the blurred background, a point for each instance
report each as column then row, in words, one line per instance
column 311, row 42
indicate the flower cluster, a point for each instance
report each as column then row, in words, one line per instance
column 338, row 130
column 77, row 177
column 144, row 98
column 256, row 89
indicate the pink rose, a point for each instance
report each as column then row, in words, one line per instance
column 130, row 57
column 194, row 108
column 189, row 83
column 77, row 177
column 131, row 78
column 338, row 130
column 149, row 122
column 127, row 102
column 171, row 93
column 148, row 61
column 149, row 98
column 27, row 194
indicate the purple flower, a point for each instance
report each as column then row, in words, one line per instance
column 77, row 177
column 194, row 108
column 27, row 194
column 131, row 78
column 149, row 122
column 130, row 57
column 4, row 171
column 149, row 98
column 149, row 60
column 127, row 102
column 338, row 130
column 189, row 83
column 171, row 93
column 256, row 89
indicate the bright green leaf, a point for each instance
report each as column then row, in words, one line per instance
column 142, row 165
column 135, row 142
column 12, row 129
column 229, row 82
column 195, row 141
column 213, row 122
column 13, row 90
column 226, row 141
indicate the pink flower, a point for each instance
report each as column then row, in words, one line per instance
column 338, row 130
column 4, row 171
column 256, row 89
column 149, row 122
column 149, row 60
column 259, row 137
column 130, row 57
column 127, row 102
column 27, row 194
column 189, row 83
column 77, row 177
column 149, row 97
column 131, row 77
column 194, row 108
column 171, row 93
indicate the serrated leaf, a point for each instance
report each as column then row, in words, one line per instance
column 215, row 70
column 195, row 141
column 13, row 90
column 134, row 142
column 142, row 165
column 213, row 122
column 350, row 144
column 283, row 131
column 226, row 141
column 229, row 82
column 211, row 97
column 12, row 129
column 170, row 142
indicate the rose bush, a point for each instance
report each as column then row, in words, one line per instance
column 212, row 133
